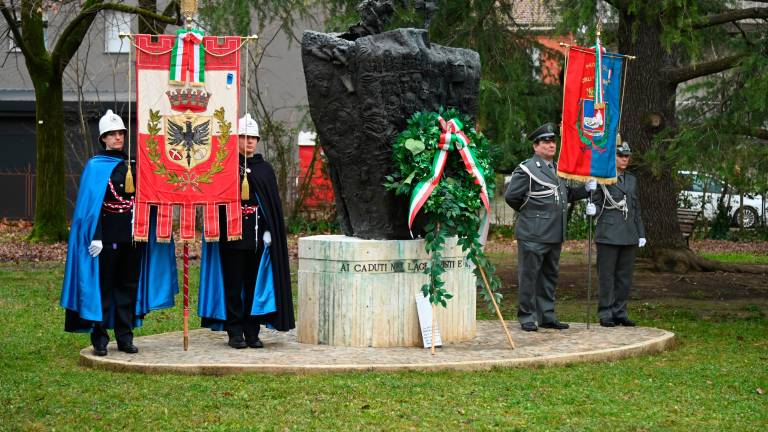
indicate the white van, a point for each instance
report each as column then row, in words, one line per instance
column 700, row 188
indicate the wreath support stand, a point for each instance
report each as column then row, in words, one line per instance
column 434, row 308
column 496, row 306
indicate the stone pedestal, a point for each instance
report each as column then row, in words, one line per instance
column 356, row 292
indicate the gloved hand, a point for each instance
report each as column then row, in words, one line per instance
column 267, row 238
column 591, row 209
column 94, row 249
column 590, row 185
column 641, row 242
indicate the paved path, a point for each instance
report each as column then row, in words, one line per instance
column 209, row 354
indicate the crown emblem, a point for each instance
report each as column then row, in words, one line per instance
column 188, row 99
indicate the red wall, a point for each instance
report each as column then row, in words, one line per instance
column 321, row 191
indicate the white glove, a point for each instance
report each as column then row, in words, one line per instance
column 590, row 185
column 94, row 249
column 591, row 209
column 641, row 242
column 267, row 238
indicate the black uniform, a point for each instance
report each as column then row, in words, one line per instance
column 118, row 261
column 240, row 258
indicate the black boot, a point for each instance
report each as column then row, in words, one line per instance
column 237, row 341
column 99, row 340
column 125, row 343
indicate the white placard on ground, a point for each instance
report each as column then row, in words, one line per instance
column 424, row 308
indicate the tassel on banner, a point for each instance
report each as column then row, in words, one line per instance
column 245, row 191
column 618, row 139
column 129, row 186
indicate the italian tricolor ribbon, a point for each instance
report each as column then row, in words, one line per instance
column 187, row 57
column 451, row 138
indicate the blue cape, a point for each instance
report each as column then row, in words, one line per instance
column 81, row 291
column 158, row 276
column 211, row 306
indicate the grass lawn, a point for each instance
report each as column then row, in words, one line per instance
column 712, row 381
column 737, row 257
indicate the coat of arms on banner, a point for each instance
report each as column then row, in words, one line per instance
column 188, row 139
column 592, row 117
column 187, row 145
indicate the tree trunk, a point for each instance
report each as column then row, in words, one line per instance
column 649, row 108
column 50, row 194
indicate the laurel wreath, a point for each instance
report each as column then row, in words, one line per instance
column 453, row 208
column 187, row 179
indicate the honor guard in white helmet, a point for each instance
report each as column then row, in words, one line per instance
column 247, row 126
column 257, row 290
column 110, row 122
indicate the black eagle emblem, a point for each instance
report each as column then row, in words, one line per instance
column 188, row 136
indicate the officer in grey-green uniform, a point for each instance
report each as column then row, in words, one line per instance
column 619, row 231
column 541, row 201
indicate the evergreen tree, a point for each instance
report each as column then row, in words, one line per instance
column 677, row 42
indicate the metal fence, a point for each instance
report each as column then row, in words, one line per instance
column 18, row 189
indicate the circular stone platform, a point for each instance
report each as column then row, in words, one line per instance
column 209, row 354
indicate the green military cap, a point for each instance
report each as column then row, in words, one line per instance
column 623, row 149
column 547, row 130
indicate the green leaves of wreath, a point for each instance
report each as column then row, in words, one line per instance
column 454, row 206
column 187, row 179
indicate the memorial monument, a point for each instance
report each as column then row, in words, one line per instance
column 359, row 289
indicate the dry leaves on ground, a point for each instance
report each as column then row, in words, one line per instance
column 15, row 248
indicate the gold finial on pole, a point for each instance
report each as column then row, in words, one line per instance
column 188, row 10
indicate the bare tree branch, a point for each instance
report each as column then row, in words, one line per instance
column 13, row 27
column 744, row 35
column 686, row 73
column 65, row 49
column 731, row 16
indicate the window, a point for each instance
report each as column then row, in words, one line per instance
column 535, row 54
column 115, row 23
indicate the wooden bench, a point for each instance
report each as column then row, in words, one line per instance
column 687, row 218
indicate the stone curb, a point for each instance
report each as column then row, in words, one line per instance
column 307, row 359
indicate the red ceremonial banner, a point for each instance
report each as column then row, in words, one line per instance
column 591, row 112
column 187, row 140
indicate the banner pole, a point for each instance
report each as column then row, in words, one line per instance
column 589, row 265
column 186, row 296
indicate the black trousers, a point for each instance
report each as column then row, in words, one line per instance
column 615, row 267
column 119, row 277
column 240, row 268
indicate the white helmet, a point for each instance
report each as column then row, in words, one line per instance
column 247, row 126
column 110, row 122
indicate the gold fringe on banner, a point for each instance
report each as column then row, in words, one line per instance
column 129, row 186
column 584, row 179
column 245, row 190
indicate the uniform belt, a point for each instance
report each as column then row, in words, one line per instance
column 120, row 205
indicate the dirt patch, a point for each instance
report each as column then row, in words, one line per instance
column 572, row 283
